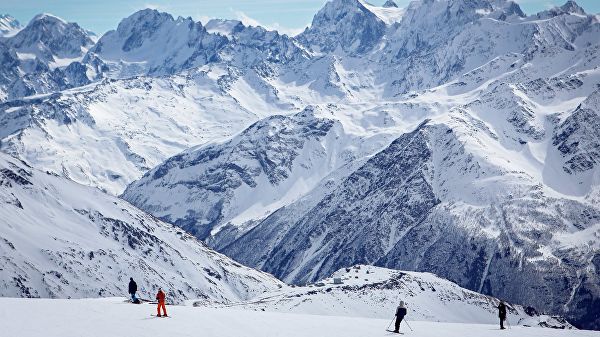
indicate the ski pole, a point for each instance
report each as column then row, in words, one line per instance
column 389, row 325
column 408, row 325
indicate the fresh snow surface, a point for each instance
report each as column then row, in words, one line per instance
column 114, row 317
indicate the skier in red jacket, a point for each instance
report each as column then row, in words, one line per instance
column 160, row 297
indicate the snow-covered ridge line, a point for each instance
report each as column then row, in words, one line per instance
column 374, row 292
column 62, row 240
column 9, row 26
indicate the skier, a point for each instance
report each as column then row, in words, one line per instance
column 400, row 313
column 502, row 314
column 160, row 297
column 132, row 289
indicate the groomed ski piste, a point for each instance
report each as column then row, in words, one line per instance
column 114, row 317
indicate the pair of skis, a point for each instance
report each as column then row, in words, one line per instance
column 161, row 316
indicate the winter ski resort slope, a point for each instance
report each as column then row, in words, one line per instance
column 453, row 137
column 113, row 317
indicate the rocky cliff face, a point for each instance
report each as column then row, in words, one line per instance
column 243, row 178
column 344, row 24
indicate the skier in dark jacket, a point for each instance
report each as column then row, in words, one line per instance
column 400, row 313
column 502, row 314
column 132, row 289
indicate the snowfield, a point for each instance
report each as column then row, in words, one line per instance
column 114, row 317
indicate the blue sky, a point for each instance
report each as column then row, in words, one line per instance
column 289, row 16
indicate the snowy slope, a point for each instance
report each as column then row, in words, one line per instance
column 416, row 204
column 270, row 164
column 112, row 317
column 81, row 135
column 507, row 166
column 367, row 291
column 59, row 239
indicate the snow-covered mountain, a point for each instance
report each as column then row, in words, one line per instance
column 493, row 170
column 44, row 56
column 8, row 25
column 190, row 107
column 223, row 188
column 155, row 43
column 151, row 42
column 367, row 291
column 461, row 140
column 346, row 24
column 419, row 203
column 51, row 40
column 63, row 240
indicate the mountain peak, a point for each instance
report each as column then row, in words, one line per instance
column 8, row 25
column 390, row 4
column 50, row 37
column 162, row 43
column 572, row 7
column 51, row 18
column 147, row 20
column 223, row 27
column 344, row 23
column 143, row 25
column 149, row 13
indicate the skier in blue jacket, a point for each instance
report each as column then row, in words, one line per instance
column 400, row 313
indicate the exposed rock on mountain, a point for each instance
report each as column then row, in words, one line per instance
column 63, row 240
